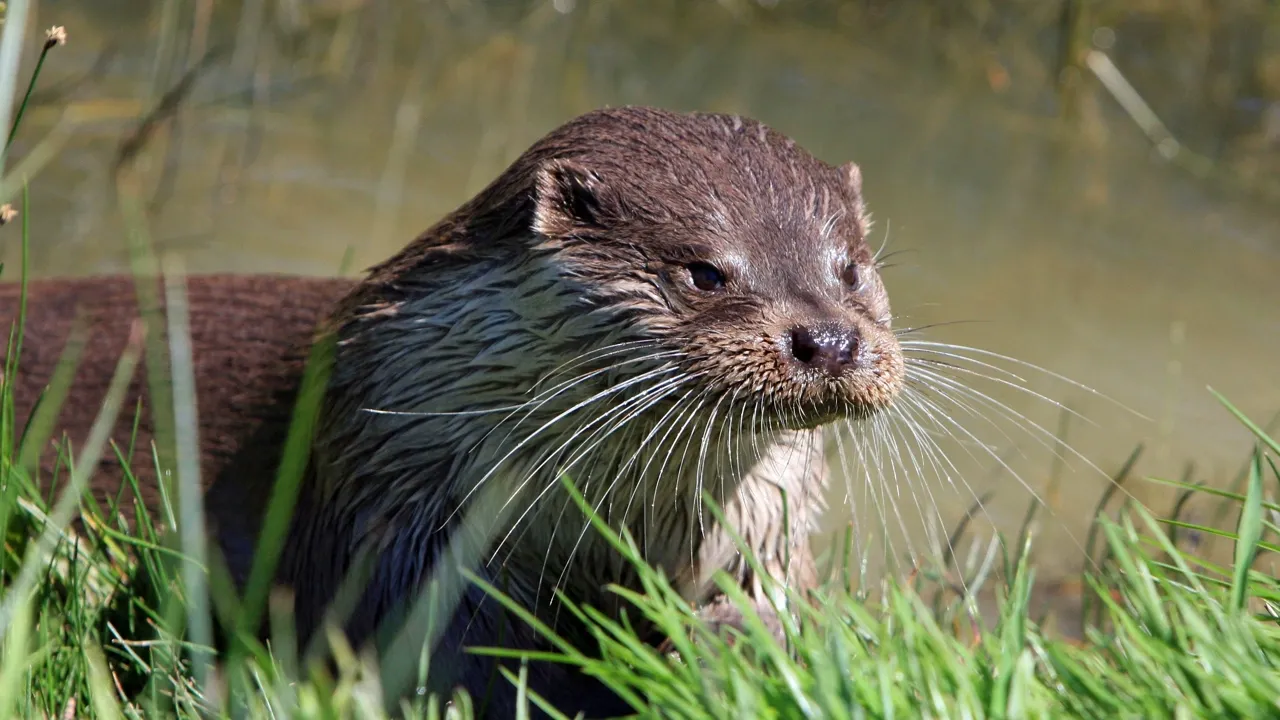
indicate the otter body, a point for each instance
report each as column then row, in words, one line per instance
column 656, row 304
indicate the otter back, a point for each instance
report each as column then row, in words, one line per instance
column 250, row 337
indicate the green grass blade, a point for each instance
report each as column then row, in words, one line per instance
column 49, row 43
column 1244, row 419
column 102, row 696
column 1249, row 533
column 284, row 494
column 191, row 525
column 16, row 638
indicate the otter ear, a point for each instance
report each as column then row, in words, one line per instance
column 569, row 197
column 853, row 185
column 852, row 178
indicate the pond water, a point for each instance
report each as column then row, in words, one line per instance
column 333, row 136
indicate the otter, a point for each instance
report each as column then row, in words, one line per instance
column 652, row 304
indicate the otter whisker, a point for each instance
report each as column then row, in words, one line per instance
column 624, row 411
column 1020, row 420
column 912, row 400
column 592, row 355
column 950, row 423
column 595, row 397
column 641, row 479
column 914, row 477
column 882, row 262
column 639, row 483
column 885, row 472
column 859, row 436
column 944, row 422
column 652, row 397
column 880, row 499
column 1045, row 439
column 685, row 407
column 903, row 477
column 935, row 379
column 707, row 418
column 942, row 353
column 675, row 410
column 731, row 434
column 938, row 458
column 630, row 408
column 682, row 454
column 940, row 366
column 757, row 413
column 830, row 223
column 605, row 431
column 687, row 403
column 703, row 422
column 928, row 386
column 924, row 344
column 685, row 454
column 701, row 469
column 556, row 391
column 643, row 399
column 978, row 505
column 836, row 438
column 541, row 400
column 916, row 329
column 682, row 419
column 884, row 245
column 454, row 413
column 804, row 446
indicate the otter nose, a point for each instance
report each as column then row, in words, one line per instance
column 829, row 349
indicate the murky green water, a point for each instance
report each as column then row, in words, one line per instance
column 360, row 123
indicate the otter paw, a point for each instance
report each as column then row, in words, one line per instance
column 722, row 615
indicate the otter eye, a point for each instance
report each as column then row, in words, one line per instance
column 706, row 277
column 850, row 275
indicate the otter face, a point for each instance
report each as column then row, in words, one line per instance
column 801, row 326
column 740, row 252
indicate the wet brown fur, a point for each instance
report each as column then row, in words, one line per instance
column 250, row 337
column 617, row 202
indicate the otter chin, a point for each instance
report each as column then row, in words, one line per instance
column 656, row 304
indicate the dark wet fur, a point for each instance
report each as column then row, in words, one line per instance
column 625, row 194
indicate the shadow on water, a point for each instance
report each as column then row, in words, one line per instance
column 1029, row 198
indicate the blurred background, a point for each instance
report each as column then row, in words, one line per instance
column 1140, row 257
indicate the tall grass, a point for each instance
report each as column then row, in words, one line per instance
column 110, row 618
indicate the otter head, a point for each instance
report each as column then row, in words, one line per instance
column 734, row 249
